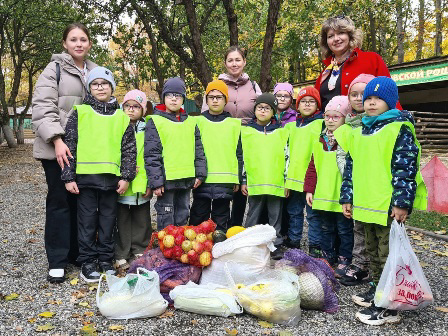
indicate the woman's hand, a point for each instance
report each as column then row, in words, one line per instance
column 62, row 152
column 72, row 187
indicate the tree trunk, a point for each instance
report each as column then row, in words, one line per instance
column 269, row 37
column 421, row 29
column 438, row 37
column 291, row 70
column 9, row 136
column 400, row 31
column 2, row 138
column 20, row 135
column 182, row 70
column 372, row 31
column 232, row 21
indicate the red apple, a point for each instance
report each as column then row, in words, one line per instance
column 197, row 229
column 179, row 239
column 168, row 252
column 177, row 252
column 180, row 230
column 198, row 247
column 170, row 229
column 207, row 226
column 192, row 255
column 208, row 245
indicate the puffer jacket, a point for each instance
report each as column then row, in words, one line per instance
column 154, row 160
column 53, row 103
column 404, row 165
column 242, row 95
column 220, row 190
column 301, row 121
column 128, row 165
column 286, row 116
column 136, row 199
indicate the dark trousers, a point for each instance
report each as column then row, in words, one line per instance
column 238, row 208
column 97, row 215
column 335, row 225
column 61, row 242
column 217, row 209
column 173, row 207
column 133, row 230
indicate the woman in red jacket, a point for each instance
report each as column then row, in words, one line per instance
column 340, row 42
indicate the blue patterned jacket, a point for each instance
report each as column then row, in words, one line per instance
column 403, row 165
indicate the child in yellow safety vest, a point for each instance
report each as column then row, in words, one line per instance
column 220, row 135
column 102, row 144
column 174, row 156
column 134, row 213
column 323, row 185
column 381, row 182
column 264, row 154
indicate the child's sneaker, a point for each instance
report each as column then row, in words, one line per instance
column 106, row 267
column 278, row 253
column 365, row 299
column 378, row 316
column 122, row 264
column 341, row 269
column 292, row 243
column 314, row 251
column 354, row 276
column 89, row 272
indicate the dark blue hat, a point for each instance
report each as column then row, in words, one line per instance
column 174, row 85
column 384, row 88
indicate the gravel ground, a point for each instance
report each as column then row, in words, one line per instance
column 23, row 270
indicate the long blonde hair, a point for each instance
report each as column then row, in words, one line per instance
column 341, row 24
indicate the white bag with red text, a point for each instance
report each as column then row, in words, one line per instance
column 403, row 285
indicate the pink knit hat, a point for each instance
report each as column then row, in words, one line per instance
column 339, row 104
column 362, row 78
column 284, row 87
column 138, row 96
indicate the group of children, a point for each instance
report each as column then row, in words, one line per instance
column 353, row 168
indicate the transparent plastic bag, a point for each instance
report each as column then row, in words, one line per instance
column 250, row 249
column 272, row 296
column 207, row 299
column 403, row 285
column 134, row 296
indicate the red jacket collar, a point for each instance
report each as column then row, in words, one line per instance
column 162, row 107
column 353, row 55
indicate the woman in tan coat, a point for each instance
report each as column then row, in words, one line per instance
column 61, row 85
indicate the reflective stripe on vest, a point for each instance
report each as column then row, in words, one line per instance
column 372, row 176
column 178, row 142
column 301, row 141
column 343, row 136
column 329, row 180
column 99, row 141
column 264, row 160
column 140, row 182
column 220, row 140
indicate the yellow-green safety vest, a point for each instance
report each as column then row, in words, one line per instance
column 99, row 141
column 343, row 135
column 329, row 180
column 301, row 140
column 178, row 142
column 220, row 140
column 140, row 182
column 372, row 176
column 264, row 160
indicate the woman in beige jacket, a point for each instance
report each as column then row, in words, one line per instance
column 60, row 86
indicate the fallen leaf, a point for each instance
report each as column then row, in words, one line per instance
column 44, row 327
column 32, row 240
column 440, row 253
column 418, row 251
column 166, row 314
column 12, row 296
column 76, row 315
column 442, row 309
column 441, row 232
column 84, row 304
column 74, row 281
column 31, row 231
column 265, row 324
column 89, row 314
column 88, row 330
column 231, row 332
column 54, row 302
column 5, row 240
column 284, row 333
column 78, row 294
column 194, row 322
column 423, row 264
column 445, row 268
column 47, row 314
column 93, row 287
column 116, row 327
column 32, row 320
column 19, row 328
column 416, row 237
column 28, row 298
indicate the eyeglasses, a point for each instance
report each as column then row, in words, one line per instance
column 173, row 95
column 218, row 98
column 356, row 95
column 282, row 97
column 96, row 86
column 308, row 102
column 334, row 118
column 132, row 107
column 263, row 108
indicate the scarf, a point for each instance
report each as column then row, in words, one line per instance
column 369, row 121
column 329, row 138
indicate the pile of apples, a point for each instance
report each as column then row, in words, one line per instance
column 188, row 244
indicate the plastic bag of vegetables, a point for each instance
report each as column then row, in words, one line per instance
column 134, row 296
column 205, row 299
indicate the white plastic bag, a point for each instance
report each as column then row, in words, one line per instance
column 134, row 296
column 403, row 285
column 272, row 296
column 207, row 299
column 250, row 249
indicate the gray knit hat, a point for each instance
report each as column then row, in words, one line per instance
column 267, row 98
column 174, row 85
column 101, row 72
